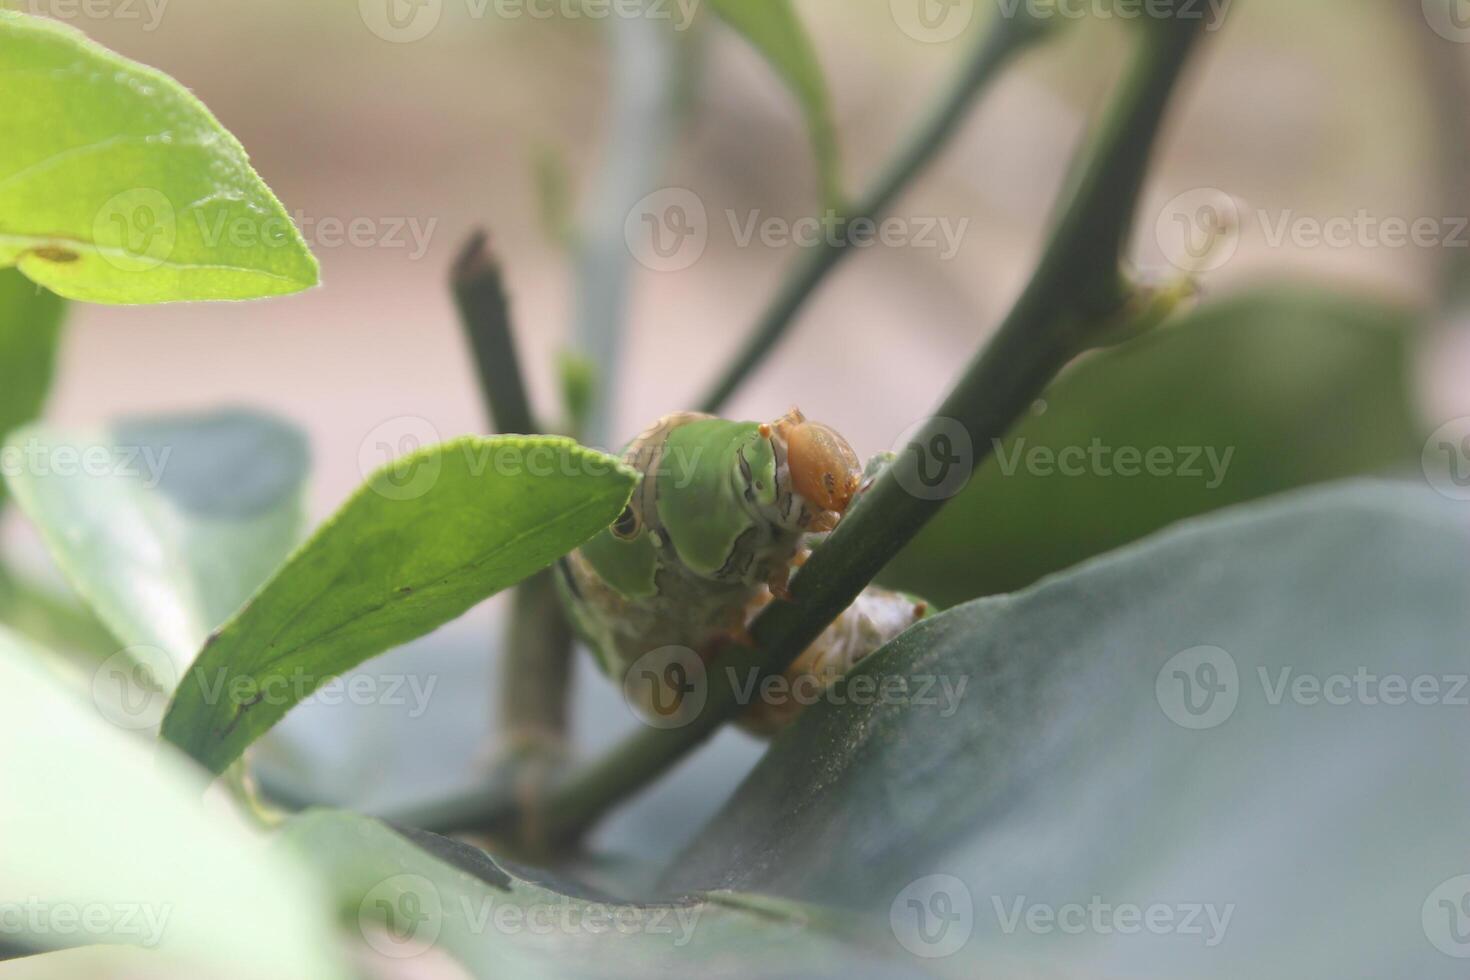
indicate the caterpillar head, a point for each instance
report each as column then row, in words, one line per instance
column 824, row 469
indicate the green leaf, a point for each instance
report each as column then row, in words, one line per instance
column 118, row 186
column 1071, row 766
column 164, row 525
column 425, row 539
column 446, row 896
column 52, row 618
column 1248, row 397
column 773, row 28
column 109, row 840
column 30, row 326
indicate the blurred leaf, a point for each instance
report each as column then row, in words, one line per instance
column 578, row 388
column 1133, row 730
column 773, row 28
column 30, row 326
column 165, row 525
column 118, row 186
column 110, row 841
column 51, row 618
column 554, row 197
column 425, row 539
column 449, row 896
column 1248, row 396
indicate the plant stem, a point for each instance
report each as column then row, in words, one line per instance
column 1004, row 41
column 538, row 666
column 538, row 647
column 1446, row 89
column 638, row 120
column 1076, row 287
column 484, row 310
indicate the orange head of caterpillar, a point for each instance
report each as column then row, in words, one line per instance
column 824, row 469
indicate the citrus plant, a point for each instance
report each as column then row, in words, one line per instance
column 1083, row 728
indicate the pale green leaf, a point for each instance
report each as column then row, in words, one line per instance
column 164, row 525
column 118, row 186
column 107, row 840
column 425, row 539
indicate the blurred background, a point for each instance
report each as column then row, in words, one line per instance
column 1310, row 109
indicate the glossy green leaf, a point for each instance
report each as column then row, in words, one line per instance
column 1243, row 398
column 30, row 326
column 773, row 28
column 164, row 525
column 1257, row 711
column 425, row 539
column 118, row 186
column 108, row 840
column 441, row 896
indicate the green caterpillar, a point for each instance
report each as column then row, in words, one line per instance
column 718, row 521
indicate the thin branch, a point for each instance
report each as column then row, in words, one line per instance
column 535, row 683
column 1005, row 41
column 485, row 313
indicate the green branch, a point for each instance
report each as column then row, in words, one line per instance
column 1004, row 41
column 536, row 663
column 484, row 311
